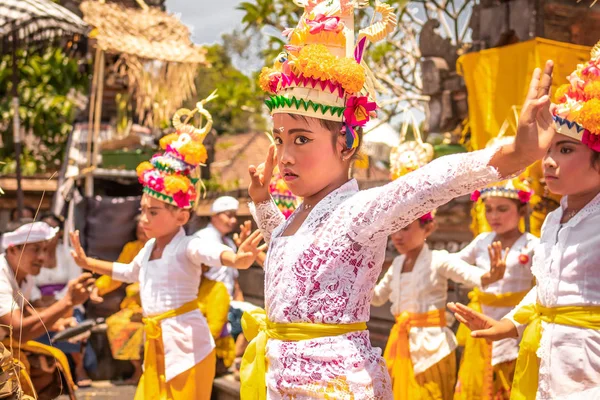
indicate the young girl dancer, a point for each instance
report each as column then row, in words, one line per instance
column 179, row 352
column 420, row 350
column 486, row 371
column 562, row 313
column 325, row 259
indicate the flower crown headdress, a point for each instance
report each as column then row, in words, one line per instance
column 173, row 176
column 516, row 189
column 577, row 110
column 321, row 73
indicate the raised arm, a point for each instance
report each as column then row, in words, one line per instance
column 459, row 271
column 267, row 217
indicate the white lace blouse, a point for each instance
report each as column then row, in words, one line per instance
column 327, row 270
column 517, row 278
column 422, row 290
column 566, row 265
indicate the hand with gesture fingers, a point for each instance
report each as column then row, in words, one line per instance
column 536, row 126
column 497, row 264
column 78, row 253
column 78, row 289
column 482, row 326
column 248, row 251
column 261, row 177
column 245, row 230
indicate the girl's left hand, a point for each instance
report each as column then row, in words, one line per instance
column 248, row 250
column 536, row 126
column 482, row 326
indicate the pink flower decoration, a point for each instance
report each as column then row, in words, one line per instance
column 181, row 199
column 358, row 110
column 590, row 140
column 524, row 196
column 323, row 23
column 475, row 195
column 591, row 69
column 426, row 218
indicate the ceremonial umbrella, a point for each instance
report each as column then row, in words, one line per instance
column 28, row 21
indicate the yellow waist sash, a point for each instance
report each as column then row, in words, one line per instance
column 258, row 329
column 475, row 375
column 153, row 383
column 525, row 382
column 397, row 350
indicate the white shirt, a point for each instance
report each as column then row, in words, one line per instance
column 517, row 278
column 168, row 283
column 65, row 270
column 422, row 290
column 566, row 266
column 227, row 275
column 10, row 299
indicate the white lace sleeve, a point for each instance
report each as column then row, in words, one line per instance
column 384, row 210
column 267, row 217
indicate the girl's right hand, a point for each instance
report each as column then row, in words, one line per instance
column 261, row 178
column 497, row 264
column 482, row 326
column 78, row 253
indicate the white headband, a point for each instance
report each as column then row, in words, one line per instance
column 33, row 232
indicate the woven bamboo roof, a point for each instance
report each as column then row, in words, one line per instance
column 149, row 34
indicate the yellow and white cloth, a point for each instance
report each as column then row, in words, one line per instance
column 420, row 291
column 167, row 284
column 566, row 269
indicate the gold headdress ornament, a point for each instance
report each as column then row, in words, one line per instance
column 174, row 175
column 577, row 112
column 321, row 73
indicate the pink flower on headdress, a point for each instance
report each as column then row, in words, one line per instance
column 426, row 218
column 358, row 110
column 292, row 49
column 524, row 196
column 323, row 23
column 156, row 183
column 591, row 69
column 590, row 140
column 181, row 199
column 475, row 195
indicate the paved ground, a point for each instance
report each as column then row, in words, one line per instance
column 104, row 390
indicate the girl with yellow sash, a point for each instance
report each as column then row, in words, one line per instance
column 324, row 260
column 486, row 370
column 179, row 352
column 420, row 351
column 559, row 319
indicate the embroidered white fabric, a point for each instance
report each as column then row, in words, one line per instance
column 565, row 265
column 326, row 272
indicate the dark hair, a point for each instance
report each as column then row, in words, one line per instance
column 334, row 127
column 60, row 221
column 15, row 211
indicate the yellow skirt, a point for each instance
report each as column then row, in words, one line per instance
column 436, row 382
column 497, row 389
column 125, row 336
column 195, row 383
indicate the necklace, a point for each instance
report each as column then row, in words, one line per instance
column 572, row 213
column 307, row 206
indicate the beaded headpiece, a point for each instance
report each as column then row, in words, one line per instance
column 321, row 73
column 577, row 111
column 173, row 176
column 517, row 189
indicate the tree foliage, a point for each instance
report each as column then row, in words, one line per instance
column 50, row 90
column 239, row 105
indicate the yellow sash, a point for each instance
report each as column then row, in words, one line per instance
column 258, row 329
column 397, row 350
column 476, row 375
column 154, row 384
column 525, row 382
